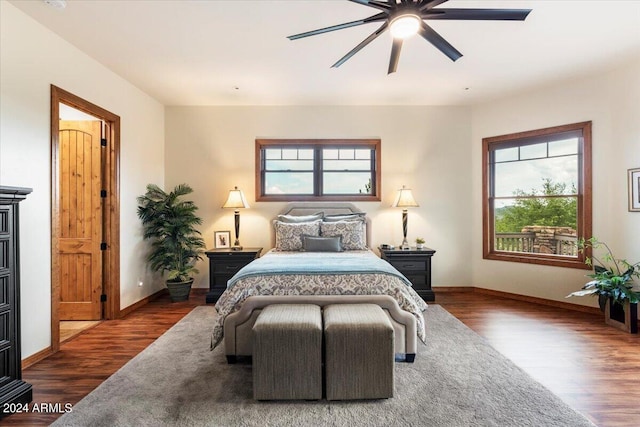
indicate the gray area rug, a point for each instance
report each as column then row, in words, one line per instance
column 457, row 380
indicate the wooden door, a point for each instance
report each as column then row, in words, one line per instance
column 79, row 253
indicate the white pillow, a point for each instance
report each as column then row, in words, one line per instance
column 289, row 235
column 301, row 218
column 352, row 232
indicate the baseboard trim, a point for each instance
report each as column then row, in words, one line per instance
column 540, row 301
column 136, row 305
column 449, row 289
column 517, row 297
column 36, row 357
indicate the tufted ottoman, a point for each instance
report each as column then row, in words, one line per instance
column 287, row 352
column 359, row 352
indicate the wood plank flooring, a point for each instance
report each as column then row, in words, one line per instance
column 71, row 328
column 591, row 366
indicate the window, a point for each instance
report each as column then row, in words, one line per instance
column 537, row 195
column 317, row 169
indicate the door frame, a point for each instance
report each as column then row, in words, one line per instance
column 111, row 208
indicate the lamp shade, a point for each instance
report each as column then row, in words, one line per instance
column 236, row 200
column 404, row 199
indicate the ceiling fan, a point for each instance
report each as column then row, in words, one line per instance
column 405, row 18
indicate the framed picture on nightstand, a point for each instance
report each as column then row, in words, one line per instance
column 222, row 239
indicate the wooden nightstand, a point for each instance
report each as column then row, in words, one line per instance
column 415, row 265
column 223, row 264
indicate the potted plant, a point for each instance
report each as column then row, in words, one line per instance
column 169, row 222
column 612, row 283
column 419, row 243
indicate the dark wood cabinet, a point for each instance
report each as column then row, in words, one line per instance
column 415, row 265
column 12, row 389
column 223, row 264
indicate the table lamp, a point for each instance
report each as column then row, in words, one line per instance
column 404, row 200
column 236, row 200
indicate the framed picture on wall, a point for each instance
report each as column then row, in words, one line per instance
column 222, row 239
column 634, row 190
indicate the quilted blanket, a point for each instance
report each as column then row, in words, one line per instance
column 318, row 273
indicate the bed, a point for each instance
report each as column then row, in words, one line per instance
column 321, row 256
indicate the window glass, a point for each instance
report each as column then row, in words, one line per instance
column 506, row 154
column 563, row 147
column 531, row 176
column 346, row 183
column 534, row 151
column 288, row 183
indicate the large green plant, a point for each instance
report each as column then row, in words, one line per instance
column 612, row 277
column 169, row 222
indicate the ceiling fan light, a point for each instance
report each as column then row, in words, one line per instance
column 405, row 26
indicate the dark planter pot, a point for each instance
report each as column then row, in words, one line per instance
column 622, row 316
column 179, row 291
column 602, row 302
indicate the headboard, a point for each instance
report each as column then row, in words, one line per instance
column 329, row 208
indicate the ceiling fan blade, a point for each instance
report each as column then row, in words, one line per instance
column 439, row 42
column 478, row 14
column 428, row 4
column 373, row 3
column 395, row 55
column 379, row 17
column 362, row 44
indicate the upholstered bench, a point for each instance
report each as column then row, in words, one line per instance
column 287, row 352
column 359, row 352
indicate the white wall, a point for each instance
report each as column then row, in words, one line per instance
column 612, row 102
column 424, row 148
column 31, row 59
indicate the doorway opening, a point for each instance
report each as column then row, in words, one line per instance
column 85, row 242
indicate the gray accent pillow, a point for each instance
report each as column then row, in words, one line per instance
column 322, row 244
column 352, row 233
column 289, row 235
column 301, row 218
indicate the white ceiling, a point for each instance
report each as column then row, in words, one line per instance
column 236, row 52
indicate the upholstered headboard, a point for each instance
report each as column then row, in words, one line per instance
column 329, row 208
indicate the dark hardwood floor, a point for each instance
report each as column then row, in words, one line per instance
column 591, row 366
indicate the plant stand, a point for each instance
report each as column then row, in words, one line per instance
column 623, row 317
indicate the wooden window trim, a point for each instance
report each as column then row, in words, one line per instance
column 584, row 187
column 265, row 143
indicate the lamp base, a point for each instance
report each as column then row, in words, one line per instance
column 236, row 248
column 405, row 245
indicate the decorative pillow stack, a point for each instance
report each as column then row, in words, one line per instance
column 320, row 233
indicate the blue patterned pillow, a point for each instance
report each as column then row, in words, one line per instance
column 352, row 233
column 289, row 235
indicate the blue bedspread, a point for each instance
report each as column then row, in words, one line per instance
column 292, row 263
